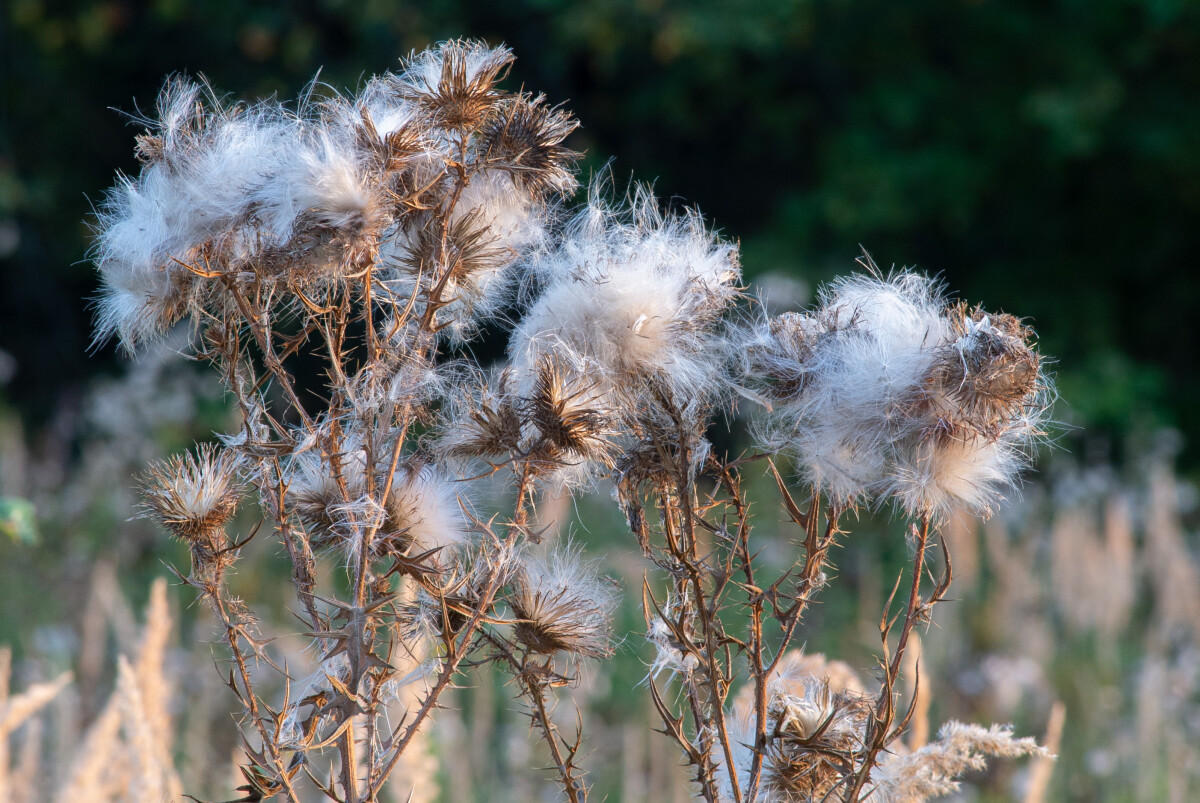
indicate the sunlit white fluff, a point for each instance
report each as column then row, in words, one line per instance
column 562, row 604
column 859, row 392
column 424, row 510
column 637, row 292
column 321, row 181
column 383, row 101
column 201, row 164
column 856, row 362
column 423, row 73
column 964, row 470
column 514, row 224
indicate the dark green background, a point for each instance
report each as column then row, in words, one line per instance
column 1044, row 158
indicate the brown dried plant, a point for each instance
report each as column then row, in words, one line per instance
column 366, row 234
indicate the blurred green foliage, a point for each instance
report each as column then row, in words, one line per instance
column 18, row 521
column 1044, row 157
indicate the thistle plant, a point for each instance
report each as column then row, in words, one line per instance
column 371, row 234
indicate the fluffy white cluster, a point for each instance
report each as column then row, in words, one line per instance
column 238, row 193
column 563, row 605
column 199, row 169
column 630, row 307
column 421, row 513
column 887, row 391
column 636, row 291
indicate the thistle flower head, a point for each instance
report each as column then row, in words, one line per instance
column 423, row 512
column 888, row 392
column 200, row 160
column 524, row 139
column 562, row 605
column 471, row 260
column 817, row 715
column 484, row 420
column 989, row 374
column 639, row 295
column 317, row 485
column 194, row 496
column 454, row 83
column 337, row 505
column 569, row 420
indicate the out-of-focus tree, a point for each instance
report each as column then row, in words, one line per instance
column 1044, row 157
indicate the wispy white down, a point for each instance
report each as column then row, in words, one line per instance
column 637, row 292
column 857, row 391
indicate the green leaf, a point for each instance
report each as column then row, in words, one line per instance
column 18, row 520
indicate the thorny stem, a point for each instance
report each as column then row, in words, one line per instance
column 457, row 649
column 879, row 727
column 267, row 346
column 535, row 690
column 233, row 637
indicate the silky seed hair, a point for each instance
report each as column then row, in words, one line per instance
column 888, row 391
column 562, row 605
column 194, row 495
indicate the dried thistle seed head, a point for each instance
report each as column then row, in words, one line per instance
column 639, row 296
column 492, row 430
column 817, row 715
column 562, row 605
column 990, row 371
column 454, row 83
column 325, row 209
column 465, row 249
column 524, row 138
column 778, row 355
column 194, row 496
column 318, row 485
column 568, row 415
column 650, row 460
column 487, row 424
column 814, row 739
column 423, row 512
column 887, row 392
column 202, row 162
